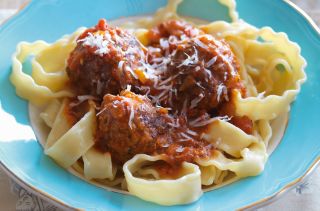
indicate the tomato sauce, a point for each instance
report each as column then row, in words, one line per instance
column 159, row 98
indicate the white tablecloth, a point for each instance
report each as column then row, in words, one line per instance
column 305, row 196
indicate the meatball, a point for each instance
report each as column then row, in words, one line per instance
column 199, row 76
column 104, row 61
column 129, row 124
column 164, row 38
column 172, row 30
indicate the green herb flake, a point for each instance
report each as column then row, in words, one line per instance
column 280, row 67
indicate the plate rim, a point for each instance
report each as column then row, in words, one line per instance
column 251, row 206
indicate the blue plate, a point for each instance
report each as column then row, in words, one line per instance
column 23, row 157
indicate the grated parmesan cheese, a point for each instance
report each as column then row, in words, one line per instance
column 196, row 100
column 128, row 68
column 164, row 43
column 169, row 79
column 201, row 44
column 211, row 62
column 199, row 85
column 191, row 132
column 190, row 60
column 98, row 41
column 184, row 107
column 179, row 149
column 128, row 87
column 186, row 136
column 200, row 123
column 222, row 89
column 81, row 99
column 131, row 116
column 165, row 145
column 120, row 65
column 261, row 95
column 100, row 112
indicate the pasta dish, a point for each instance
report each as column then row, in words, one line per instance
column 160, row 107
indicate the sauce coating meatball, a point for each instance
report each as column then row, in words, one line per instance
column 129, row 124
column 196, row 73
column 181, row 80
column 172, row 31
column 104, row 61
column 200, row 74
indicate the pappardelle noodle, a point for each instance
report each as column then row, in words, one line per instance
column 160, row 107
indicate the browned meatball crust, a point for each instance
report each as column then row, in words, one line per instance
column 104, row 61
column 129, row 124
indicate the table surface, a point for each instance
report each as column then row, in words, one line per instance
column 303, row 197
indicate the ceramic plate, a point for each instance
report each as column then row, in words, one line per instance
column 23, row 158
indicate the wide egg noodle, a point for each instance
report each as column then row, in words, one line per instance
column 49, row 65
column 228, row 138
column 50, row 113
column 165, row 13
column 98, row 165
column 48, row 69
column 273, row 66
column 183, row 190
column 251, row 163
column 60, row 124
column 67, row 149
column 117, row 184
column 231, row 5
column 149, row 171
column 212, row 175
column 265, row 131
column 248, row 153
column 286, row 83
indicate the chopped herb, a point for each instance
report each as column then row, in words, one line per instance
column 280, row 67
